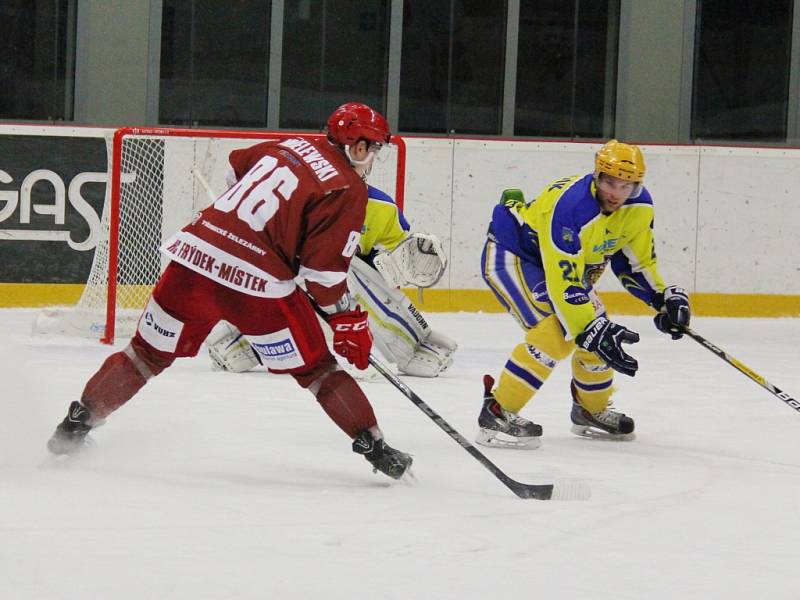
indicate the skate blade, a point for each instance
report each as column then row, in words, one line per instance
column 493, row 439
column 593, row 433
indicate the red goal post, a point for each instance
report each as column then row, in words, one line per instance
column 159, row 178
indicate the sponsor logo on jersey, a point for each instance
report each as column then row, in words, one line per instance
column 605, row 246
column 158, row 328
column 150, row 321
column 190, row 254
column 539, row 292
column 575, row 295
column 323, row 169
column 242, row 278
column 233, row 237
column 277, row 349
column 567, row 234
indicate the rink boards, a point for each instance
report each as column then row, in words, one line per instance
column 726, row 217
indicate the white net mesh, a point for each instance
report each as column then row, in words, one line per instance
column 163, row 181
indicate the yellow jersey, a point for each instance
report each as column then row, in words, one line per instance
column 565, row 232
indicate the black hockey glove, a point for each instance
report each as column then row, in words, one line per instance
column 605, row 339
column 674, row 312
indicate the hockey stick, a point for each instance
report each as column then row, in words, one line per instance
column 567, row 490
column 746, row 370
column 203, row 183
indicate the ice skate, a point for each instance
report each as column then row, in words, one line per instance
column 381, row 456
column 70, row 435
column 500, row 428
column 607, row 424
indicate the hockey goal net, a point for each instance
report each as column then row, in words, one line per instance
column 159, row 178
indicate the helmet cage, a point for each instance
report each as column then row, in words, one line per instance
column 364, row 167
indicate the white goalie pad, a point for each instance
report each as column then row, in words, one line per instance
column 418, row 260
column 229, row 350
column 400, row 332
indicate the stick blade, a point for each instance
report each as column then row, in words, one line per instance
column 571, row 489
column 560, row 490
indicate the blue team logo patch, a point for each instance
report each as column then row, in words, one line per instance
column 575, row 295
column 567, row 234
column 539, row 292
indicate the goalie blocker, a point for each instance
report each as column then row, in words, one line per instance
column 401, row 333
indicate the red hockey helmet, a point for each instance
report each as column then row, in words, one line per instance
column 354, row 121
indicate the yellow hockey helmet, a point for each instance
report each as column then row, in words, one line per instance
column 624, row 161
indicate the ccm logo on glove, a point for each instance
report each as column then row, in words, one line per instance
column 351, row 336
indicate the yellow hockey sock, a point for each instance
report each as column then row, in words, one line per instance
column 593, row 380
column 531, row 364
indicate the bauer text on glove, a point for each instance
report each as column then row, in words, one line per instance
column 605, row 339
column 351, row 336
column 674, row 312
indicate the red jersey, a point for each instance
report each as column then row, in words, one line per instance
column 296, row 209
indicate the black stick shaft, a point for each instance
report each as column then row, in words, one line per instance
column 523, row 490
column 744, row 369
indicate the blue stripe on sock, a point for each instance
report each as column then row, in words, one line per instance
column 523, row 374
column 593, row 387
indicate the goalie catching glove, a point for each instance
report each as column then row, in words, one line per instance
column 605, row 339
column 674, row 312
column 417, row 260
column 351, row 336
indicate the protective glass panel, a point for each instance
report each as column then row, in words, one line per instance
column 37, row 55
column 741, row 76
column 451, row 78
column 334, row 51
column 214, row 62
column 566, row 67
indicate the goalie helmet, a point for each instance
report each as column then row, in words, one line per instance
column 623, row 161
column 354, row 121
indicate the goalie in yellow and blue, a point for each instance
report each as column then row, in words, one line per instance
column 389, row 255
column 542, row 260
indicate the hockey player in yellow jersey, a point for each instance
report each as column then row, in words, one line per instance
column 542, row 259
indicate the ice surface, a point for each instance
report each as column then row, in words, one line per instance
column 210, row 485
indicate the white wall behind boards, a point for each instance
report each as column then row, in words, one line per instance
column 727, row 219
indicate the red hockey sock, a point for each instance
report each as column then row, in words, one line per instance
column 112, row 386
column 345, row 402
column 121, row 376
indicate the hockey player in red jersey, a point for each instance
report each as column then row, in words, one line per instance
column 296, row 209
